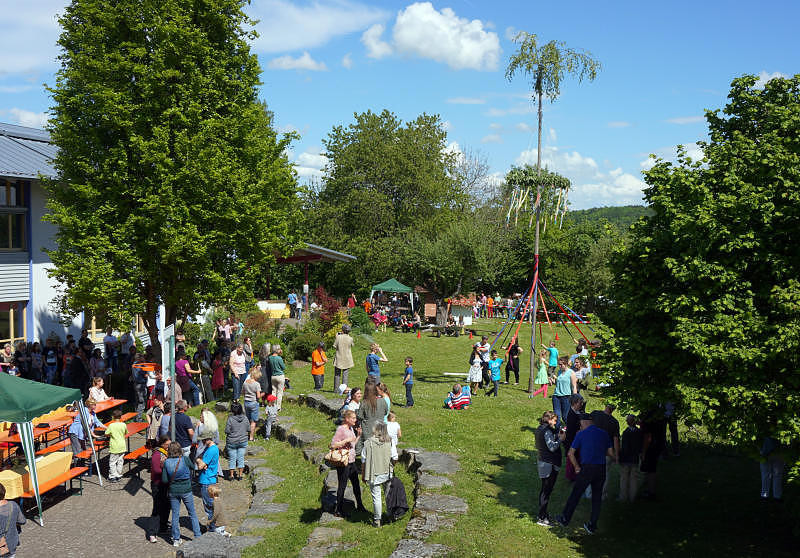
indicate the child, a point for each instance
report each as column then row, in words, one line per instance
column 271, row 415
column 117, row 447
column 541, row 375
column 494, row 370
column 96, row 392
column 383, row 391
column 475, row 373
column 458, row 399
column 393, row 428
column 408, row 381
column 217, row 517
column 552, row 363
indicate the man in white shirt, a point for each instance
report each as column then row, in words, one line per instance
column 483, row 350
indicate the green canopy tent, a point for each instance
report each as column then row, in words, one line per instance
column 21, row 401
column 393, row 286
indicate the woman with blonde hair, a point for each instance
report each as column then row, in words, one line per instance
column 251, row 388
column 376, row 466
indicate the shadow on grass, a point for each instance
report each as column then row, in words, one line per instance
column 708, row 505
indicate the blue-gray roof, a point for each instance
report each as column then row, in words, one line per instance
column 25, row 152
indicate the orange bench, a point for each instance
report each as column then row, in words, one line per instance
column 54, row 447
column 87, row 453
column 134, row 455
column 128, row 416
column 73, row 473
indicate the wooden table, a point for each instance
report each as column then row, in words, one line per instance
column 52, row 426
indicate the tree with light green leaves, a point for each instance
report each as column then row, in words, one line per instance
column 706, row 301
column 173, row 187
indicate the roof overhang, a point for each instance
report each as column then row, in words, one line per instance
column 311, row 253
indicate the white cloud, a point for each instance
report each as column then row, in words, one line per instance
column 304, row 62
column 618, row 124
column 309, row 164
column 466, row 101
column 693, row 151
column 28, row 34
column 495, row 126
column 511, row 33
column 455, row 149
column 447, row 126
column 492, row 138
column 376, row 47
column 15, row 88
column 524, row 127
column 423, row 31
column 289, row 26
column 347, row 61
column 764, row 77
column 27, row 118
column 686, row 119
column 591, row 187
column 521, row 108
column 552, row 137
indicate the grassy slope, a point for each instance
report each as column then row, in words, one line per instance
column 709, row 502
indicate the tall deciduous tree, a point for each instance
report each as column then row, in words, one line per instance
column 173, row 186
column 707, row 302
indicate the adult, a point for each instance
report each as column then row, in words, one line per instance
column 37, row 362
column 97, row 365
column 299, row 305
column 183, row 376
column 237, row 430
column 50, row 361
column 208, row 465
column 139, row 378
column 291, row 300
column 552, row 363
column 771, row 466
column 351, row 302
column 593, row 444
column 238, row 369
column 605, row 420
column 203, row 367
column 159, row 516
column 126, row 343
column 266, row 370
column 653, row 440
column 548, row 445
column 343, row 359
column 483, row 351
column 372, row 410
column 252, row 394
column 513, row 360
column 77, row 433
column 345, row 438
column 79, row 372
column 278, row 368
column 629, row 452
column 247, row 347
column 566, row 386
column 184, row 428
column 318, row 360
column 177, row 473
column 376, row 466
column 11, row 517
column 7, row 362
column 110, row 345
column 576, row 406
column 374, row 358
column 154, row 415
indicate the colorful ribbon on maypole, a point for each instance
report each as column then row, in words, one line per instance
column 533, row 321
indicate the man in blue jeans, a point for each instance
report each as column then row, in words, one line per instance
column 594, row 444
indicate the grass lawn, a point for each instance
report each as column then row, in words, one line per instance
column 708, row 502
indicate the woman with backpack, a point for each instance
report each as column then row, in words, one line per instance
column 177, row 472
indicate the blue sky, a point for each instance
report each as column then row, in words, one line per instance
column 663, row 64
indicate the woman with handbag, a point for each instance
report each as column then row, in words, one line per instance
column 177, row 473
column 343, row 455
column 10, row 517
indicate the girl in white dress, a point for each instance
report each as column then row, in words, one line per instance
column 475, row 373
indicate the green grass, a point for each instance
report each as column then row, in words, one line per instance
column 708, row 503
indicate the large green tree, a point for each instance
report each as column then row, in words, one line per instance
column 707, row 302
column 384, row 177
column 172, row 186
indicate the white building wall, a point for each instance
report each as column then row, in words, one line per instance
column 44, row 321
column 13, row 276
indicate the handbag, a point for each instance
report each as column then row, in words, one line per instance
column 338, row 457
column 3, row 544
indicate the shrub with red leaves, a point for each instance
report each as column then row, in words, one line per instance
column 329, row 306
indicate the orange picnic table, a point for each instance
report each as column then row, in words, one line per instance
column 52, row 426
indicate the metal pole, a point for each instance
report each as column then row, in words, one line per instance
column 171, row 364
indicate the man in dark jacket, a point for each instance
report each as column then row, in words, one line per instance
column 548, row 444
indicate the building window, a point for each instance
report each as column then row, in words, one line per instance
column 13, row 212
column 96, row 327
column 13, row 326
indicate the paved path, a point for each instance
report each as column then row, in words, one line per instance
column 110, row 521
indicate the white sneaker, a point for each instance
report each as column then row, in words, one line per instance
column 177, row 543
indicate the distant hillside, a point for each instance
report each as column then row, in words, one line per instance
column 622, row 216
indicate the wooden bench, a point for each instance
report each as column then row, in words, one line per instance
column 73, row 473
column 54, row 447
column 87, row 453
column 455, row 331
column 133, row 456
column 128, row 416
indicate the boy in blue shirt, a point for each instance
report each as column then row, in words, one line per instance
column 494, row 370
column 408, row 381
column 208, row 465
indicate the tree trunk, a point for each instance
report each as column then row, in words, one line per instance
column 539, row 145
column 536, row 242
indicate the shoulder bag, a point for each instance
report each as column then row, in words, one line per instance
column 338, row 457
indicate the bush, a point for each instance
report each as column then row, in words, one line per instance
column 360, row 321
column 303, row 345
column 329, row 307
column 335, row 327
